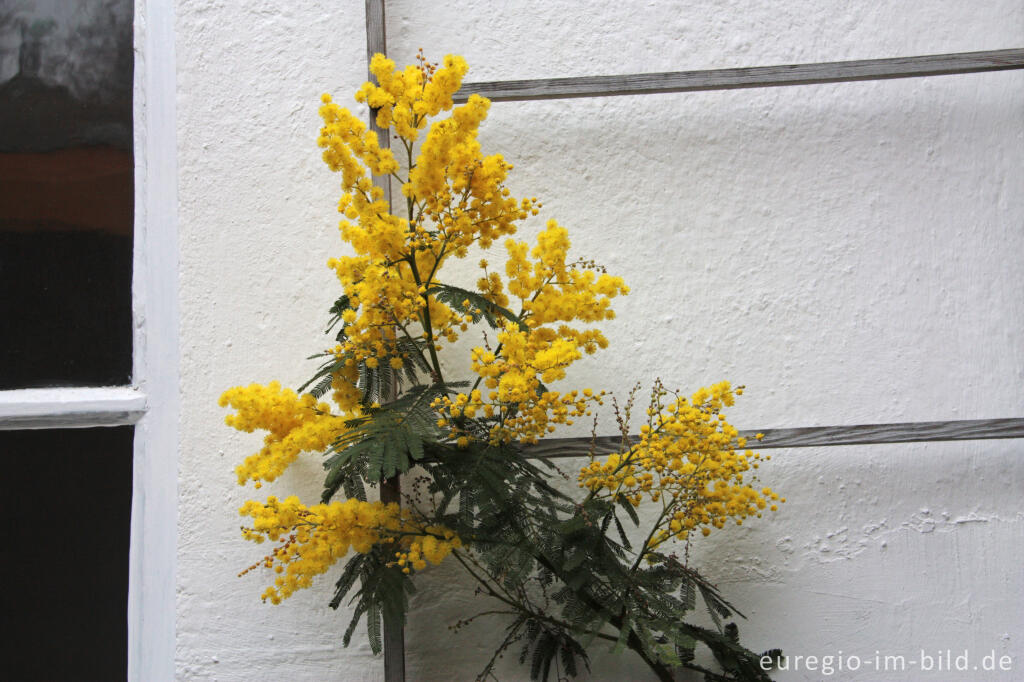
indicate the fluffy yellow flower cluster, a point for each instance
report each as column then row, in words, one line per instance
column 687, row 458
column 538, row 348
column 405, row 98
column 347, row 142
column 295, row 425
column 316, row 537
column 455, row 198
column 434, row 545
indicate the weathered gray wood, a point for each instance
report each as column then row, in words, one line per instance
column 377, row 41
column 376, row 31
column 394, row 632
column 752, row 77
column 813, row 436
column 391, row 489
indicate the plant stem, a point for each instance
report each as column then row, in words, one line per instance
column 662, row 671
column 643, row 548
column 428, row 330
column 521, row 608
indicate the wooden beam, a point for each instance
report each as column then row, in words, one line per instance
column 377, row 41
column 752, row 77
column 812, row 436
column 391, row 489
column 394, row 631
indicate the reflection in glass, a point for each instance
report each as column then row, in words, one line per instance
column 65, row 591
column 66, row 192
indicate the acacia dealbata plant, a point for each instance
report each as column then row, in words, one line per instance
column 565, row 572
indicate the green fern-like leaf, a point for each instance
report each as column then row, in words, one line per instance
column 544, row 652
column 340, row 306
column 685, row 647
column 348, row 578
column 373, row 627
column 357, row 615
column 688, row 594
column 322, row 387
column 630, row 510
column 326, row 370
column 479, row 307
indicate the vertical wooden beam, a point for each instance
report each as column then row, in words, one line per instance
column 377, row 41
column 394, row 631
column 391, row 489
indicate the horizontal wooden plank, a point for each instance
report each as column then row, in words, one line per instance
column 752, row 77
column 813, row 436
column 63, row 408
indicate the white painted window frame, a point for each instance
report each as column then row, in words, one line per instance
column 151, row 402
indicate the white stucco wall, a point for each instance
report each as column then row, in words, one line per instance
column 851, row 253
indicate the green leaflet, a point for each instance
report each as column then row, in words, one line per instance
column 479, row 307
column 385, row 442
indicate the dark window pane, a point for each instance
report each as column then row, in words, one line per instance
column 66, row 193
column 66, row 573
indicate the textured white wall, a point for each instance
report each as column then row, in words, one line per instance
column 852, row 253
